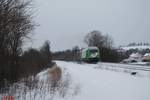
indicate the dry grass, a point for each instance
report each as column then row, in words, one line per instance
column 58, row 84
column 55, row 73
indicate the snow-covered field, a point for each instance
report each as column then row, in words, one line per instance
column 102, row 81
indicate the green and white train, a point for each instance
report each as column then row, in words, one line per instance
column 90, row 54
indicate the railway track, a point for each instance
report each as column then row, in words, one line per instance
column 124, row 66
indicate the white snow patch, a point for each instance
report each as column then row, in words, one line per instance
column 135, row 47
column 105, row 84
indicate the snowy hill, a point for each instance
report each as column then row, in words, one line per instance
column 135, row 47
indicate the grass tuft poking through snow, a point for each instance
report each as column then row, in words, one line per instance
column 51, row 84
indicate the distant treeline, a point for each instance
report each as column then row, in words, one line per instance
column 106, row 55
column 138, row 44
column 67, row 55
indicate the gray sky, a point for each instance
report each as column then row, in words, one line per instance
column 66, row 22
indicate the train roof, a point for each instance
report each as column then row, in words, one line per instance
column 91, row 48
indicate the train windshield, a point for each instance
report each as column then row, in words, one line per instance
column 93, row 51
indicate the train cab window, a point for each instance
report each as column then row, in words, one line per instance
column 93, row 51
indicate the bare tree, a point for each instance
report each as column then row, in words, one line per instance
column 95, row 38
column 15, row 25
column 45, row 50
column 104, row 43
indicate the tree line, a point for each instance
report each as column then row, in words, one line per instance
column 67, row 55
column 138, row 44
column 94, row 38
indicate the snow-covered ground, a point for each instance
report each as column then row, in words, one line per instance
column 102, row 81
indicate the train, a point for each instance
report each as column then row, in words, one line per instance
column 90, row 54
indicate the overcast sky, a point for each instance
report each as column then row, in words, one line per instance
column 66, row 22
